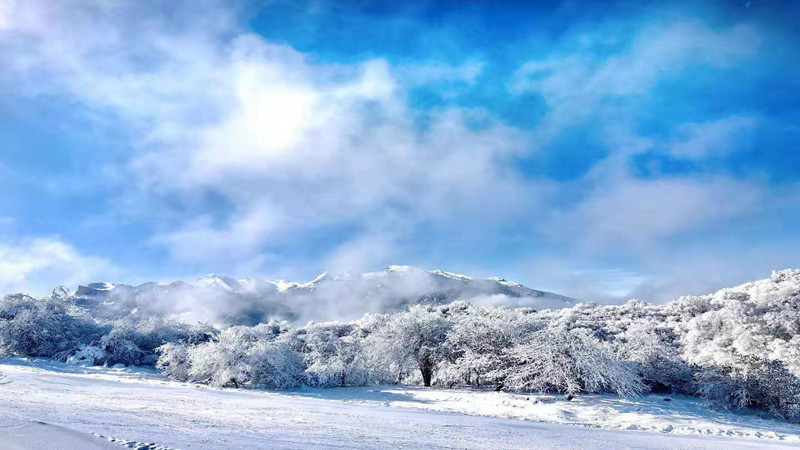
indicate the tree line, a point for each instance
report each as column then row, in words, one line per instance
column 737, row 348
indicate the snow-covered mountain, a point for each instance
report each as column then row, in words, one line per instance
column 221, row 299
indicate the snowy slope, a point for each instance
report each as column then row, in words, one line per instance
column 35, row 435
column 139, row 405
column 227, row 300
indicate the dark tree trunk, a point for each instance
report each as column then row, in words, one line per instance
column 427, row 374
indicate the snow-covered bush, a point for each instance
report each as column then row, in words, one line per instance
column 759, row 319
column 132, row 341
column 754, row 383
column 87, row 355
column 569, row 361
column 224, row 360
column 746, row 344
column 333, row 354
column 238, row 356
column 274, row 365
column 652, row 348
column 218, row 364
column 173, row 360
column 32, row 327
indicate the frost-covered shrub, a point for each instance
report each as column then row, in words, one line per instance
column 571, row 362
column 653, row 350
column 119, row 350
column 87, row 355
column 238, row 356
column 759, row 319
column 746, row 345
column 32, row 327
column 274, row 365
column 133, row 341
column 754, row 383
column 218, row 364
column 173, row 360
column 333, row 354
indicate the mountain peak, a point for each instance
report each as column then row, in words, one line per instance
column 450, row 275
column 217, row 281
column 399, row 268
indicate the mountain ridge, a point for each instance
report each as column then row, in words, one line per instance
column 248, row 300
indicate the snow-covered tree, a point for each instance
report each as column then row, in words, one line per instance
column 411, row 340
column 477, row 342
column 569, row 361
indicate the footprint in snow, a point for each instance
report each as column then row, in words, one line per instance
column 134, row 444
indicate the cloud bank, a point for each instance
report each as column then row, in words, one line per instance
column 251, row 156
column 34, row 266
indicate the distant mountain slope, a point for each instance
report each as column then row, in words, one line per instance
column 221, row 299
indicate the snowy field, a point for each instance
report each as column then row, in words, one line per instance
column 44, row 402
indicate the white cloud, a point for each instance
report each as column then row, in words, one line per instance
column 287, row 144
column 364, row 253
column 715, row 138
column 641, row 213
column 35, row 266
column 291, row 145
column 616, row 209
column 664, row 273
column 656, row 53
column 437, row 72
column 5, row 7
column 199, row 239
column 578, row 86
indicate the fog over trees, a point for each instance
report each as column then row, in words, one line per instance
column 737, row 348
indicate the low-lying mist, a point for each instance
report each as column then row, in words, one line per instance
column 224, row 300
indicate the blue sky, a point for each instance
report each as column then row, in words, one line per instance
column 603, row 150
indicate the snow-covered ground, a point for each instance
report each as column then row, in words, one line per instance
column 93, row 407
